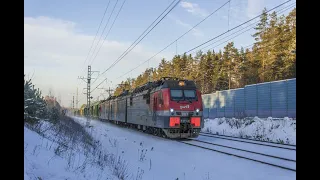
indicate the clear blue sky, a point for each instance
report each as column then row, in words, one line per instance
column 51, row 25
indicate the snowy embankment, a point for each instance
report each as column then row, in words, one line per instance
column 65, row 151
column 268, row 129
column 153, row 158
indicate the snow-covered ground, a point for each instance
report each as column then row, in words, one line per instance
column 268, row 129
column 154, row 158
column 62, row 153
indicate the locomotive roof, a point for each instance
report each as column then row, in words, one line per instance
column 175, row 84
column 166, row 82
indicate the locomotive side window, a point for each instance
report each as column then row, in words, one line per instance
column 154, row 102
column 130, row 100
column 160, row 98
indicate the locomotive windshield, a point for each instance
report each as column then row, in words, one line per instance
column 176, row 94
column 179, row 95
column 190, row 94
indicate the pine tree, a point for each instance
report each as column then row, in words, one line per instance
column 271, row 58
column 290, row 55
column 260, row 37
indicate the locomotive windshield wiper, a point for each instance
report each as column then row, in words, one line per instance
column 188, row 99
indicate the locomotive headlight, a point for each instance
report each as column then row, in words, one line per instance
column 171, row 110
column 197, row 110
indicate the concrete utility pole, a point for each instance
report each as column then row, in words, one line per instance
column 88, row 84
column 77, row 101
column 109, row 91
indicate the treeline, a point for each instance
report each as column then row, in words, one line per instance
column 271, row 58
column 36, row 107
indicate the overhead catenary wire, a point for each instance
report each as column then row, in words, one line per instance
column 108, row 32
column 109, row 28
column 236, row 27
column 127, row 51
column 104, row 28
column 105, row 11
column 177, row 38
column 228, row 31
column 280, row 11
column 111, row 85
column 206, row 41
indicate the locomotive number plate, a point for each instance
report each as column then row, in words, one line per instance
column 184, row 120
column 184, row 113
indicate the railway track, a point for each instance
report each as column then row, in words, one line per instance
column 264, row 158
column 249, row 141
column 272, row 160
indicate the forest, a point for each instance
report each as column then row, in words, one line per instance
column 272, row 57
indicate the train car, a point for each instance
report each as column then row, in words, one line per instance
column 112, row 109
column 86, row 111
column 105, row 109
column 95, row 109
column 81, row 110
column 169, row 107
column 121, row 111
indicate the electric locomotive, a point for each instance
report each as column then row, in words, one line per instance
column 169, row 107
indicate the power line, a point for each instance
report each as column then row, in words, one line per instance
column 105, row 27
column 108, row 32
column 229, row 14
column 227, row 31
column 237, row 26
column 111, row 83
column 96, row 34
column 209, row 40
column 260, row 48
column 177, row 38
column 280, row 11
column 126, row 52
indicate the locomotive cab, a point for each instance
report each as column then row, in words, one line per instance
column 183, row 103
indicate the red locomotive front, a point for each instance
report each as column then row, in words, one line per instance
column 179, row 104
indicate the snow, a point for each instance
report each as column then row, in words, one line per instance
column 289, row 154
column 37, row 159
column 275, row 161
column 45, row 159
column 268, row 129
column 155, row 158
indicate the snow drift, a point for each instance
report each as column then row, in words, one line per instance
column 66, row 151
column 268, row 129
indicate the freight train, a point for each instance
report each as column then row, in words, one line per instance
column 169, row 107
